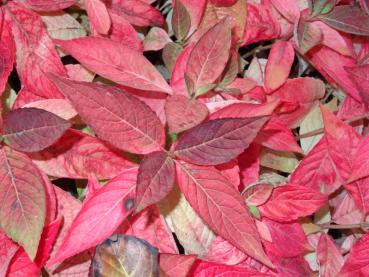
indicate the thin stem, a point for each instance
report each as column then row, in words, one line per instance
column 363, row 226
column 257, row 50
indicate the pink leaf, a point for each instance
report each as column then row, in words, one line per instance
column 218, row 141
column 329, row 256
column 209, row 55
column 8, row 249
column 100, row 215
column 117, row 62
column 99, row 16
column 22, row 198
column 176, row 265
column 156, row 39
column 59, row 107
column 6, row 52
column 31, row 129
column 289, row 202
column 360, row 74
column 204, row 269
column 138, row 132
column 257, row 194
column 183, row 113
column 47, row 5
column 154, row 180
column 221, row 207
column 279, row 64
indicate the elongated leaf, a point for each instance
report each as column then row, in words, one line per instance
column 183, row 113
column 348, row 19
column 117, row 62
column 176, row 265
column 78, row 155
column 218, row 141
column 218, row 203
column 210, row 55
column 47, row 5
column 288, row 202
column 125, row 256
column 155, row 179
column 100, row 216
column 181, row 20
column 6, row 52
column 22, row 198
column 329, row 256
column 31, row 129
column 99, row 16
column 133, row 126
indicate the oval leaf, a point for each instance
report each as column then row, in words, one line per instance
column 133, row 126
column 181, row 20
column 31, row 129
column 218, row 141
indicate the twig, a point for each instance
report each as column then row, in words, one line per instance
column 363, row 226
column 257, row 50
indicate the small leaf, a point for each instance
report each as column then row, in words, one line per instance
column 99, row 16
column 329, row 256
column 322, row 6
column 122, row 255
column 218, row 141
column 176, row 265
column 348, row 19
column 181, row 20
column 31, row 129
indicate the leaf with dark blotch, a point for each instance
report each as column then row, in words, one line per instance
column 218, row 141
column 22, row 199
column 124, row 256
column 115, row 116
column 348, row 19
column 31, row 129
column 154, row 180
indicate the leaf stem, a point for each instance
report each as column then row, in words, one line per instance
column 257, row 50
column 363, row 226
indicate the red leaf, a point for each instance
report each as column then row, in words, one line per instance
column 149, row 225
column 360, row 76
column 99, row 16
column 32, row 61
column 360, row 163
column 8, row 249
column 329, row 256
column 288, row 8
column 176, row 265
column 221, row 207
column 117, row 62
column 156, row 39
column 357, row 263
column 22, row 198
column 359, row 190
column 181, row 20
column 257, row 194
column 279, row 64
column 59, row 107
column 138, row 132
column 6, row 52
column 209, row 55
column 100, row 216
column 249, row 163
column 218, row 141
column 154, row 180
column 196, row 9
column 31, row 129
column 47, row 5
column 204, row 269
column 183, row 113
column 78, row 155
column 137, row 12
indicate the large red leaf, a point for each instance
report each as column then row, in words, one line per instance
column 218, row 141
column 360, row 76
column 154, row 180
column 8, row 249
column 32, row 60
column 22, row 198
column 78, row 155
column 279, row 64
column 221, row 207
column 133, row 126
column 204, row 269
column 209, row 55
column 100, row 216
column 117, row 62
column 31, row 129
column 176, row 265
column 183, row 113
column 47, row 5
column 289, row 202
column 99, row 16
column 357, row 263
column 6, row 52
column 329, row 256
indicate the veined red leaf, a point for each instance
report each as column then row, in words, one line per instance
column 209, row 56
column 359, row 190
column 6, row 52
column 204, row 269
column 137, row 12
column 349, row 19
column 8, row 249
column 221, row 207
column 183, row 113
column 181, row 20
column 156, row 39
column 289, row 9
column 32, row 60
column 357, row 263
column 176, row 265
column 289, row 202
column 47, row 5
column 364, row 4
column 59, row 107
column 22, row 198
column 99, row 16
column 149, row 225
column 31, row 129
column 100, row 216
column 154, row 180
column 21, row 265
column 117, row 62
column 249, row 164
column 133, row 126
column 360, row 76
column 279, row 64
column 78, row 155
column 122, row 255
column 329, row 256
column 218, row 141
column 257, row 194
column 360, row 164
